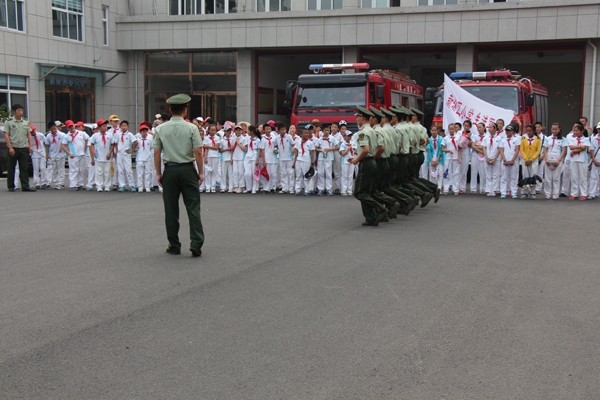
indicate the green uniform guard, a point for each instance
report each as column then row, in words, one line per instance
column 181, row 145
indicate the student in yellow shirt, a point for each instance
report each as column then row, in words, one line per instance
column 531, row 147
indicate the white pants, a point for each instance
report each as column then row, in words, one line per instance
column 76, row 171
column 91, row 175
column 347, row 177
column 453, row 175
column 251, row 183
column 238, row 174
column 566, row 177
column 579, row 185
column 57, row 171
column 594, row 177
column 286, row 175
column 226, row 176
column 325, row 181
column 509, row 180
column 552, row 180
column 540, row 173
column 478, row 168
column 447, row 181
column 144, row 174
column 210, row 177
column 464, row 169
column 272, row 182
column 529, row 172
column 492, row 176
column 124, row 171
column 440, row 175
column 337, row 170
column 424, row 169
column 102, row 172
column 302, row 168
column 40, row 172
column 115, row 177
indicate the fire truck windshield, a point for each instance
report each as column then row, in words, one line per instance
column 330, row 96
column 502, row 96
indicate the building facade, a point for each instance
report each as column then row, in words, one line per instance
column 85, row 59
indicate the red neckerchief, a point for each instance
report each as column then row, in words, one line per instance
column 578, row 141
column 435, row 143
column 302, row 144
column 53, row 139
column 553, row 140
column 123, row 137
column 269, row 139
column 530, row 140
column 508, row 141
column 282, row 141
column 351, row 149
column 228, row 143
column 212, row 138
column 73, row 137
column 104, row 138
column 251, row 146
column 453, row 142
column 481, row 137
column 491, row 141
column 37, row 142
column 143, row 143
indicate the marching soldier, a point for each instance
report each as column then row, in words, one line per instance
column 18, row 137
column 373, row 211
column 181, row 145
column 424, row 141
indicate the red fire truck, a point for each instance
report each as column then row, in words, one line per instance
column 332, row 93
column 502, row 88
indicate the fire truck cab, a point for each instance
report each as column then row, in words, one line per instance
column 332, row 93
column 502, row 88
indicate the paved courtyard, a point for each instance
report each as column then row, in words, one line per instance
column 470, row 298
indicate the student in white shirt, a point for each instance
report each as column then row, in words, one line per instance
column 74, row 144
column 211, row 161
column 347, row 152
column 493, row 166
column 38, row 159
column 595, row 165
column 478, row 160
column 578, row 149
column 509, row 151
column 325, row 147
column 337, row 157
column 240, row 146
column 268, row 156
column 285, row 144
column 501, row 133
column 452, row 159
column 464, row 140
column 144, row 160
column 226, row 149
column 539, row 131
column 102, row 145
column 113, row 129
column 251, row 159
column 435, row 158
column 56, row 156
column 554, row 154
column 304, row 159
column 91, row 168
column 125, row 145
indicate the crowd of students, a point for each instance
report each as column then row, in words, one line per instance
column 242, row 158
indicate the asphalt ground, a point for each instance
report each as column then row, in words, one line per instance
column 469, row 298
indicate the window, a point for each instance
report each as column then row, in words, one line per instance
column 105, row 25
column 191, row 7
column 273, row 5
column 70, row 97
column 11, row 14
column 67, row 19
column 324, row 4
column 380, row 3
column 13, row 90
column 437, row 2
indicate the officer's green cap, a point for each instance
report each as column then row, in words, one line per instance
column 416, row 112
column 400, row 111
column 376, row 112
column 387, row 113
column 363, row 111
column 409, row 111
column 179, row 99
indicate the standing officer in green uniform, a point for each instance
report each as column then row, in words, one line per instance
column 181, row 145
column 17, row 134
column 373, row 211
column 404, row 161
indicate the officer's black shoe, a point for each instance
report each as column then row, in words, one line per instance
column 370, row 224
column 195, row 252
column 406, row 210
column 381, row 217
column 11, row 189
column 386, row 219
column 412, row 205
column 425, row 199
column 436, row 195
column 416, row 199
column 28, row 190
column 173, row 251
column 394, row 210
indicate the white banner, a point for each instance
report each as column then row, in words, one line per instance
column 460, row 105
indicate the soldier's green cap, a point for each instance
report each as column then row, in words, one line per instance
column 416, row 112
column 179, row 99
column 376, row 112
column 388, row 113
column 400, row 111
column 363, row 111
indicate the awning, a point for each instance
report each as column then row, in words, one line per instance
column 54, row 67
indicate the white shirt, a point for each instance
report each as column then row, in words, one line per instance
column 565, row 143
column 351, row 153
column 238, row 153
column 39, row 150
column 448, row 145
column 285, row 145
column 477, row 141
column 55, row 142
column 145, row 152
column 76, row 142
column 510, row 146
column 124, row 142
column 304, row 149
column 227, row 143
column 582, row 156
column 491, row 145
column 253, row 146
column 212, row 141
column 324, row 144
column 102, row 147
column 595, row 145
column 554, row 147
column 268, row 145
